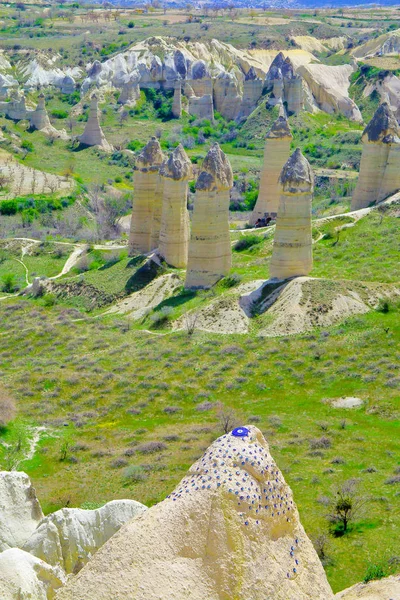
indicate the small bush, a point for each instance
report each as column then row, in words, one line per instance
column 231, row 280
column 134, row 474
column 59, row 114
column 377, row 571
column 8, row 284
column 247, row 241
column 151, row 447
column 7, row 407
column 322, row 442
column 383, row 306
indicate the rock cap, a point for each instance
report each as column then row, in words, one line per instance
column 216, row 171
column 151, row 157
column 177, row 166
column 280, row 129
column 383, row 126
column 297, row 175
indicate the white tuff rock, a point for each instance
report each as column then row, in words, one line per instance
column 69, row 537
column 230, row 530
column 25, row 577
column 20, row 511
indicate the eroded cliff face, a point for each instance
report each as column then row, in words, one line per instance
column 175, row 231
column 379, row 173
column 230, row 530
column 292, row 250
column 210, row 254
column 147, row 200
column 276, row 153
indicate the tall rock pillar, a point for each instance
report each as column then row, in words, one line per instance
column 175, row 231
column 93, row 134
column 39, row 119
column 292, row 251
column 210, row 254
column 177, row 100
column 391, row 178
column 147, row 199
column 379, row 136
column 276, row 153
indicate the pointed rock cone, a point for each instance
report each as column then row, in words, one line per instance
column 292, row 251
column 210, row 254
column 175, row 231
column 177, row 100
column 229, row 530
column 379, row 136
column 276, row 153
column 147, row 200
column 39, row 118
column 93, row 134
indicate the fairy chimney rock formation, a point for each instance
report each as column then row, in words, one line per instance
column 177, row 100
column 210, row 255
column 292, row 251
column 284, row 84
column 147, row 200
column 276, row 153
column 39, row 118
column 252, row 90
column 229, row 530
column 175, row 231
column 93, row 134
column 379, row 168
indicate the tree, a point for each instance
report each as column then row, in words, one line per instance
column 228, row 419
column 7, row 407
column 345, row 506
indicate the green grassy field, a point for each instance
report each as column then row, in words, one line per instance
column 106, row 390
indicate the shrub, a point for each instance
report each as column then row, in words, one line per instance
column 151, row 447
column 8, row 207
column 383, row 306
column 322, row 442
column 59, row 114
column 8, row 284
column 134, row 474
column 231, row 280
column 118, row 463
column 7, row 407
column 131, row 24
column 247, row 241
column 27, row 145
column 377, row 571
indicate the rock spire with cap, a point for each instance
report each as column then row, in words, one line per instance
column 174, row 233
column 93, row 134
column 210, row 254
column 380, row 161
column 292, row 250
column 276, row 153
column 229, row 530
column 147, row 200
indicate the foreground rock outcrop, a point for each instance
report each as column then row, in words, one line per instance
column 379, row 168
column 25, row 577
column 229, row 530
column 175, row 232
column 210, row 254
column 276, row 153
column 147, row 200
column 292, row 251
column 69, row 537
column 382, row 589
column 20, row 511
